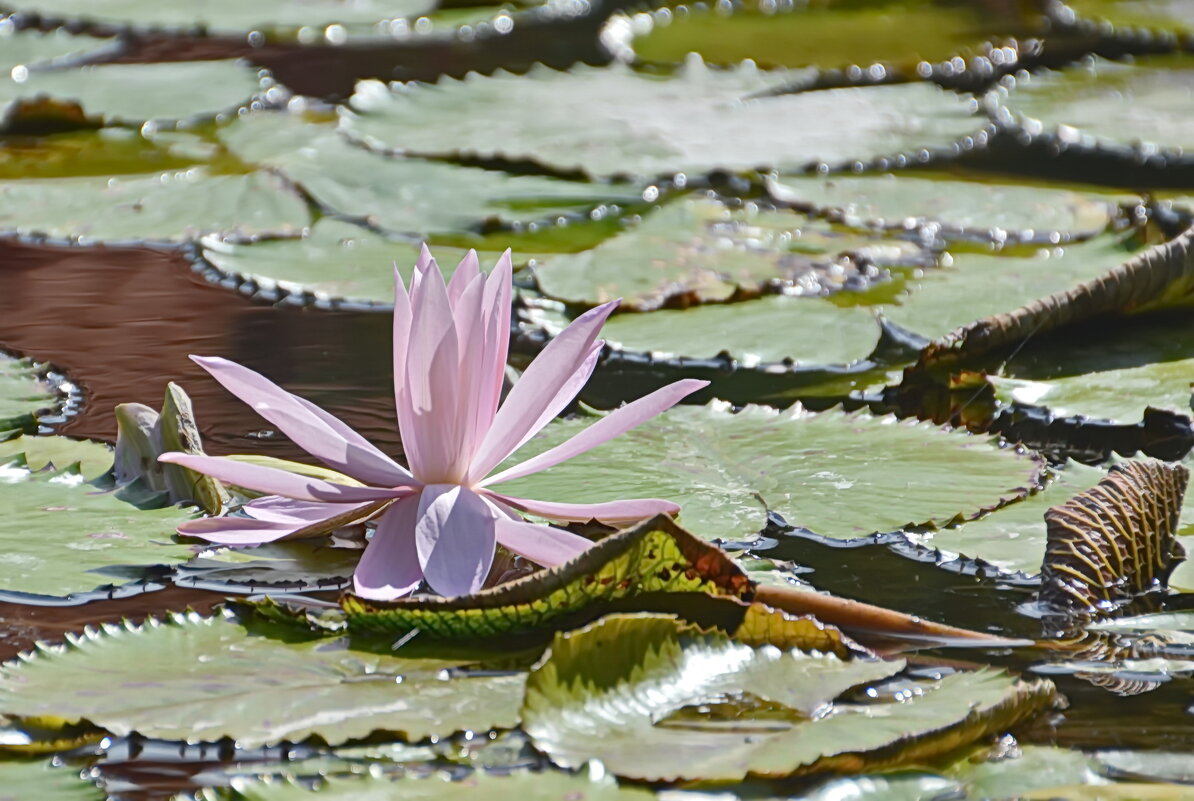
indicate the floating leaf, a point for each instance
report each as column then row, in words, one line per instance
column 1173, row 15
column 513, row 786
column 1115, row 792
column 192, row 678
column 1112, row 106
column 613, row 121
column 45, row 781
column 1115, row 541
column 90, row 459
column 19, row 49
column 408, row 195
column 1111, row 373
column 1013, row 538
column 226, row 17
column 299, row 566
column 132, row 94
column 977, row 285
column 978, row 209
column 166, row 207
column 820, row 34
column 641, row 672
column 1028, row 768
column 21, row 395
column 1148, row 765
column 699, row 251
column 838, row 475
column 107, row 151
column 61, row 534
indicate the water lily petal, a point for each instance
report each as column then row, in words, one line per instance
column 239, row 530
column 610, row 512
column 455, row 538
column 495, row 311
column 389, row 568
column 272, row 481
column 466, row 271
column 545, row 388
column 543, row 545
column 308, row 429
column 276, row 509
column 613, row 424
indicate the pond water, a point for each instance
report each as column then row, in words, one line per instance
column 880, row 231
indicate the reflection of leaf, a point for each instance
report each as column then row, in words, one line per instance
column 193, row 678
column 838, row 475
column 519, row 785
column 641, row 671
column 612, row 120
column 1110, row 543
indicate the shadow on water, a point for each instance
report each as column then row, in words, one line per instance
column 120, row 322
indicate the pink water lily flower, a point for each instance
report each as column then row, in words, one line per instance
column 441, row 519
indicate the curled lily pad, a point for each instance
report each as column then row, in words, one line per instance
column 977, row 285
column 45, row 781
column 652, row 672
column 818, row 34
column 518, row 785
column 409, row 196
column 727, row 471
column 22, row 394
column 699, row 250
column 227, row 17
column 988, row 210
column 133, row 94
column 168, row 207
column 63, row 534
column 613, row 121
column 1132, row 110
column 21, row 49
column 193, row 678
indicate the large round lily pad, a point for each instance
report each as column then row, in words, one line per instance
column 978, row 285
column 61, row 534
column 627, row 690
column 983, row 209
column 776, row 34
column 171, row 206
column 1166, row 15
column 1013, row 538
column 408, row 195
column 20, row 49
column 226, row 17
column 131, row 94
column 700, row 250
column 838, row 475
column 193, row 678
column 24, row 780
column 1106, row 103
column 1110, row 374
column 613, row 121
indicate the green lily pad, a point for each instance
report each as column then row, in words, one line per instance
column 106, row 152
column 613, row 121
column 229, row 17
column 21, row 49
column 1111, row 374
column 838, row 475
column 21, row 395
column 1167, row 15
column 700, row 251
column 132, row 94
column 547, row 785
column 978, row 285
column 1126, row 791
column 60, row 533
column 203, row 679
column 407, row 195
column 654, row 681
column 172, row 206
column 817, row 34
column 769, row 329
column 89, row 459
column 1107, row 104
column 24, row 780
column 985, row 209
column 281, row 566
column 1012, row 539
column 1148, row 765
column 1032, row 768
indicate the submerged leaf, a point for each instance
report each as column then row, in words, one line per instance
column 727, row 471
column 201, row 679
column 641, row 672
column 612, row 120
column 1116, row 541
